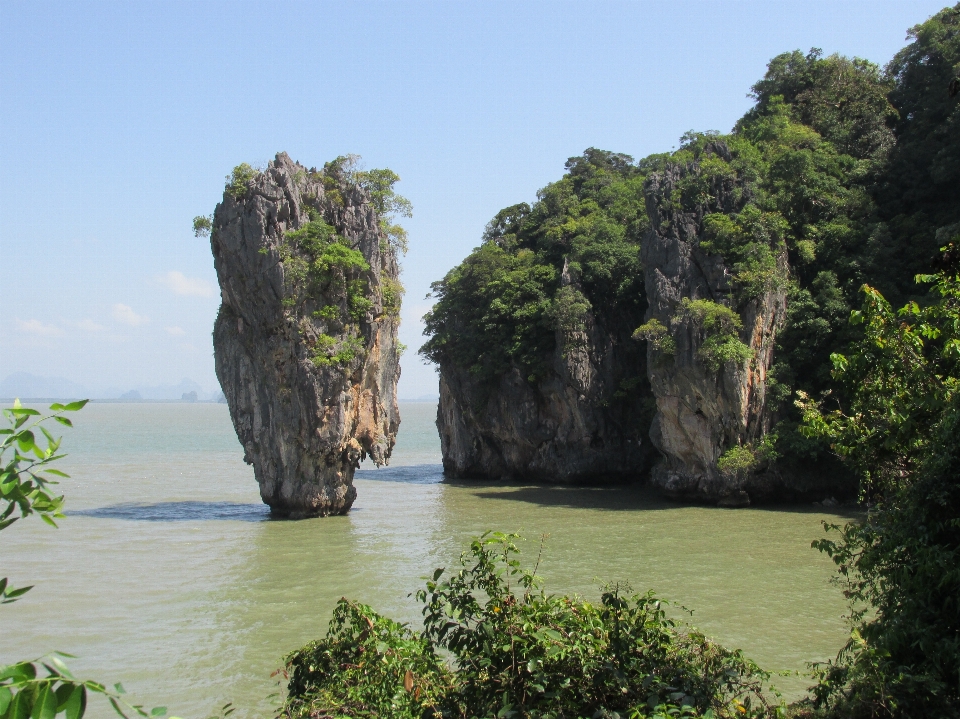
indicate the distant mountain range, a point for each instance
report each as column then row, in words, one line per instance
column 27, row 386
column 421, row 398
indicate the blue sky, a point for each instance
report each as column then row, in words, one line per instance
column 119, row 121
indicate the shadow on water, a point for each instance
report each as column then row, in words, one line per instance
column 622, row 498
column 185, row 511
column 192, row 511
column 410, row 474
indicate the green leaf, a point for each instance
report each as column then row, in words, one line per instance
column 45, row 706
column 20, row 708
column 50, row 438
column 46, row 518
column 56, row 473
column 13, row 593
column 61, row 667
column 19, row 672
column 26, row 441
column 158, row 711
column 116, row 708
column 74, row 406
column 63, row 420
column 76, row 703
column 119, row 688
column 6, row 696
column 24, row 412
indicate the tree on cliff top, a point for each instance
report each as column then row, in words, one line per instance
column 504, row 304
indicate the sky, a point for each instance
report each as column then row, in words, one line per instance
column 120, row 120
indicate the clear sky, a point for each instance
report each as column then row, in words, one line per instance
column 119, row 121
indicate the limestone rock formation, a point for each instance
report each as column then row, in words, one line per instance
column 567, row 428
column 704, row 411
column 305, row 340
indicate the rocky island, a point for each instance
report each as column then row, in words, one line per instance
column 539, row 376
column 306, row 338
column 670, row 318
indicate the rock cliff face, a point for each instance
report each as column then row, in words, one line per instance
column 701, row 411
column 305, row 340
column 567, row 428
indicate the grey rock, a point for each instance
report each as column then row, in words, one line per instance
column 701, row 412
column 304, row 426
column 736, row 498
column 563, row 429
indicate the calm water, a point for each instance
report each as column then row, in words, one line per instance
column 169, row 576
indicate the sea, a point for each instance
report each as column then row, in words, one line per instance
column 169, row 576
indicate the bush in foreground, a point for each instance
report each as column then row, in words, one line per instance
column 518, row 652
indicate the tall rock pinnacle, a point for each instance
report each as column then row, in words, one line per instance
column 306, row 337
column 704, row 407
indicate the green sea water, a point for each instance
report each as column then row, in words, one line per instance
column 169, row 576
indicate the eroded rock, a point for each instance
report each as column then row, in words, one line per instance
column 703, row 411
column 571, row 427
column 305, row 340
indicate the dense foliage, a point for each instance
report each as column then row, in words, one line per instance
column 519, row 652
column 900, row 430
column 41, row 688
column 325, row 276
column 541, row 269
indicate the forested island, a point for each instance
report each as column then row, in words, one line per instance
column 667, row 314
column 306, row 337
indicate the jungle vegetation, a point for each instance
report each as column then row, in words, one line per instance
column 325, row 276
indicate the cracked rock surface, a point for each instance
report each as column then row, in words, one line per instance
column 701, row 412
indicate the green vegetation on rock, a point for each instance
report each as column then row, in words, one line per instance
column 325, row 277
column 505, row 304
column 720, row 326
column 239, row 179
column 846, row 174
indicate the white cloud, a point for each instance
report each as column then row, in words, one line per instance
column 180, row 284
column 175, row 331
column 125, row 314
column 36, row 327
column 90, row 326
